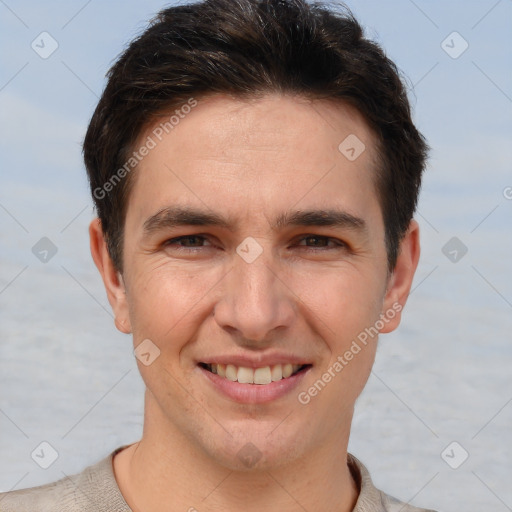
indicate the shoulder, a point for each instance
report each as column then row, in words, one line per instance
column 50, row 497
column 372, row 499
column 94, row 489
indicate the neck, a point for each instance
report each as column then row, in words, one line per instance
column 164, row 471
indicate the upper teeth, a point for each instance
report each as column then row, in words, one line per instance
column 264, row 375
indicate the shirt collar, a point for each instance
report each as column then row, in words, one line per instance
column 369, row 500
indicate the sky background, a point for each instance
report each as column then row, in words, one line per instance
column 67, row 377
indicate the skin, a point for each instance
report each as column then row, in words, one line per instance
column 251, row 161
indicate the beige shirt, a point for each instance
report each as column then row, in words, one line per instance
column 95, row 490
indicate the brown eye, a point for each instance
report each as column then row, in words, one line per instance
column 321, row 242
column 186, row 242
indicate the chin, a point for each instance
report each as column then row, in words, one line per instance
column 258, row 450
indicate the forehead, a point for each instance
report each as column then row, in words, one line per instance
column 259, row 122
column 237, row 153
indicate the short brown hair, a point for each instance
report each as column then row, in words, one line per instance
column 247, row 48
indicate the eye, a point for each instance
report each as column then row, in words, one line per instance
column 312, row 242
column 321, row 242
column 186, row 242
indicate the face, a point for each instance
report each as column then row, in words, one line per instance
column 254, row 248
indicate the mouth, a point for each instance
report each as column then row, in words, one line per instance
column 259, row 376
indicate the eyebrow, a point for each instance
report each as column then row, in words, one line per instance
column 172, row 217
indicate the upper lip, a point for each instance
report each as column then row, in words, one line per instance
column 251, row 361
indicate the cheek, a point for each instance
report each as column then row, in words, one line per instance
column 167, row 305
column 166, row 301
column 344, row 306
column 344, row 300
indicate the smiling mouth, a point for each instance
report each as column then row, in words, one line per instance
column 261, row 376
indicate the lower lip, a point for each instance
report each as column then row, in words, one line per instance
column 254, row 393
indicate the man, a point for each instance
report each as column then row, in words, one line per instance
column 255, row 171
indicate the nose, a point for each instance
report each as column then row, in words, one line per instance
column 256, row 302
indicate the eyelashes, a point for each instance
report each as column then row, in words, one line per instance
column 337, row 243
column 175, row 243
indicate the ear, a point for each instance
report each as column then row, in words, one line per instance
column 112, row 279
column 400, row 281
